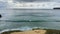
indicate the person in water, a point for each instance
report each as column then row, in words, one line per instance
column 0, row 15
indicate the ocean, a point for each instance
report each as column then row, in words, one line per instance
column 24, row 19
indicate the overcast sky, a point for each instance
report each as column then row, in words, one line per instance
column 3, row 3
column 32, row 0
column 35, row 0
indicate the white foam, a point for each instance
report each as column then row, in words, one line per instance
column 8, row 30
column 21, row 29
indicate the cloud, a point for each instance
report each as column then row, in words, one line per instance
column 3, row 4
column 3, row 0
column 31, row 0
column 36, row 0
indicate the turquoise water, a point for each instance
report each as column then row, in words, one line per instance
column 27, row 19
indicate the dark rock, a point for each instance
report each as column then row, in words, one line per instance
column 0, row 15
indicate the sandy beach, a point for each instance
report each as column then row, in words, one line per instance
column 31, row 32
column 41, row 31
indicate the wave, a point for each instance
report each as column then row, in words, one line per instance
column 16, row 30
column 34, row 15
column 24, row 29
column 25, row 21
column 6, row 30
column 30, row 20
column 21, row 29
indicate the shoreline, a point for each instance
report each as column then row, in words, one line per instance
column 33, row 31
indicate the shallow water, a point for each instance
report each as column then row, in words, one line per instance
column 27, row 19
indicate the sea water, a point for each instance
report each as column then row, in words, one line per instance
column 24, row 19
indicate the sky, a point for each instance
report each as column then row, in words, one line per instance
column 35, row 0
column 4, row 3
column 31, row 0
